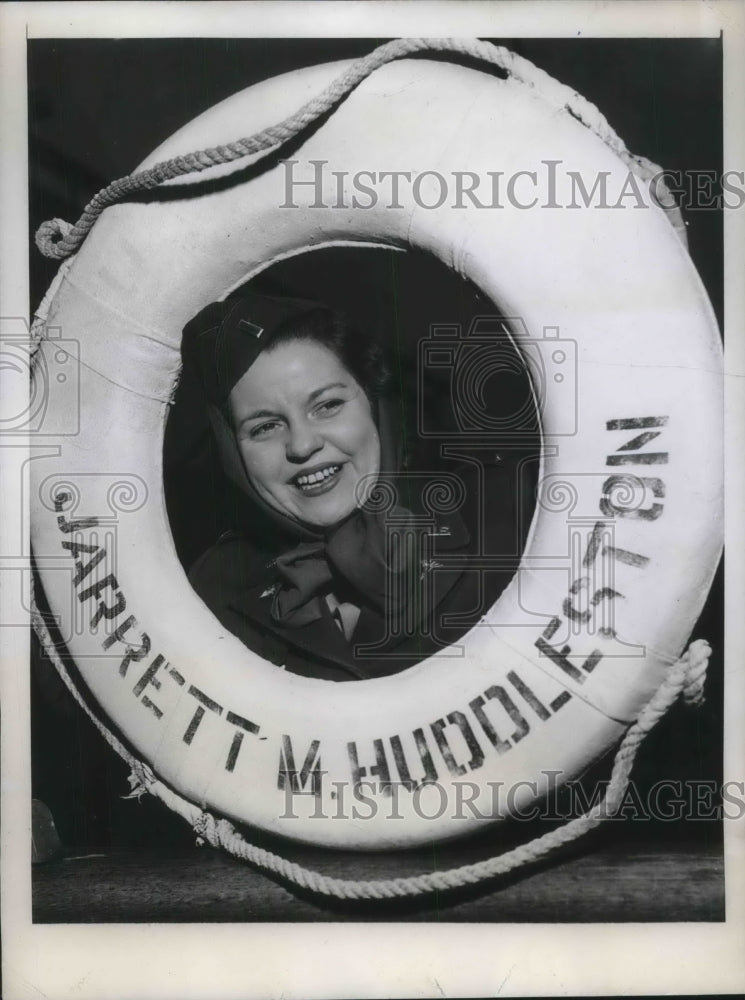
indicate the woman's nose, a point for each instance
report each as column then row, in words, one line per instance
column 302, row 442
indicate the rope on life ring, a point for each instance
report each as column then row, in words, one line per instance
column 57, row 239
column 685, row 678
column 127, row 339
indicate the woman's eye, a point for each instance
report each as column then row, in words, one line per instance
column 329, row 407
column 263, row 430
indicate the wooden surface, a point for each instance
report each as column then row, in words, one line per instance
column 672, row 880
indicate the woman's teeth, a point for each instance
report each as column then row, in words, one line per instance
column 317, row 477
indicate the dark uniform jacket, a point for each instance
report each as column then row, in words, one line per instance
column 457, row 580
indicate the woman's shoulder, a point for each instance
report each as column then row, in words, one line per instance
column 228, row 541
column 236, row 578
column 229, row 576
column 233, row 561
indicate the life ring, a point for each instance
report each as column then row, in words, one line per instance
column 629, row 510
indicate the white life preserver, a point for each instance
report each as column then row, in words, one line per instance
column 628, row 526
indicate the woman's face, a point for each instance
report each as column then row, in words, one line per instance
column 305, row 432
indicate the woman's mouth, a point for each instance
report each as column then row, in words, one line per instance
column 318, row 480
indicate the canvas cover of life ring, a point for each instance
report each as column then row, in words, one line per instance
column 628, row 524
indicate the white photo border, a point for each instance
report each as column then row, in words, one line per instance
column 360, row 960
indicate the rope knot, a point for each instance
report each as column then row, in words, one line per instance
column 206, row 828
column 50, row 237
column 140, row 780
column 696, row 661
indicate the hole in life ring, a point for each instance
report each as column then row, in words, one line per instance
column 467, row 446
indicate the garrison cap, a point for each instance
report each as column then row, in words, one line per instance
column 225, row 338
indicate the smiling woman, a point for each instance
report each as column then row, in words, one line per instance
column 324, row 571
column 305, row 430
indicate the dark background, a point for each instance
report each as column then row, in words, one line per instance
column 98, row 107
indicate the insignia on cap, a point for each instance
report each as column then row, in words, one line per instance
column 251, row 328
